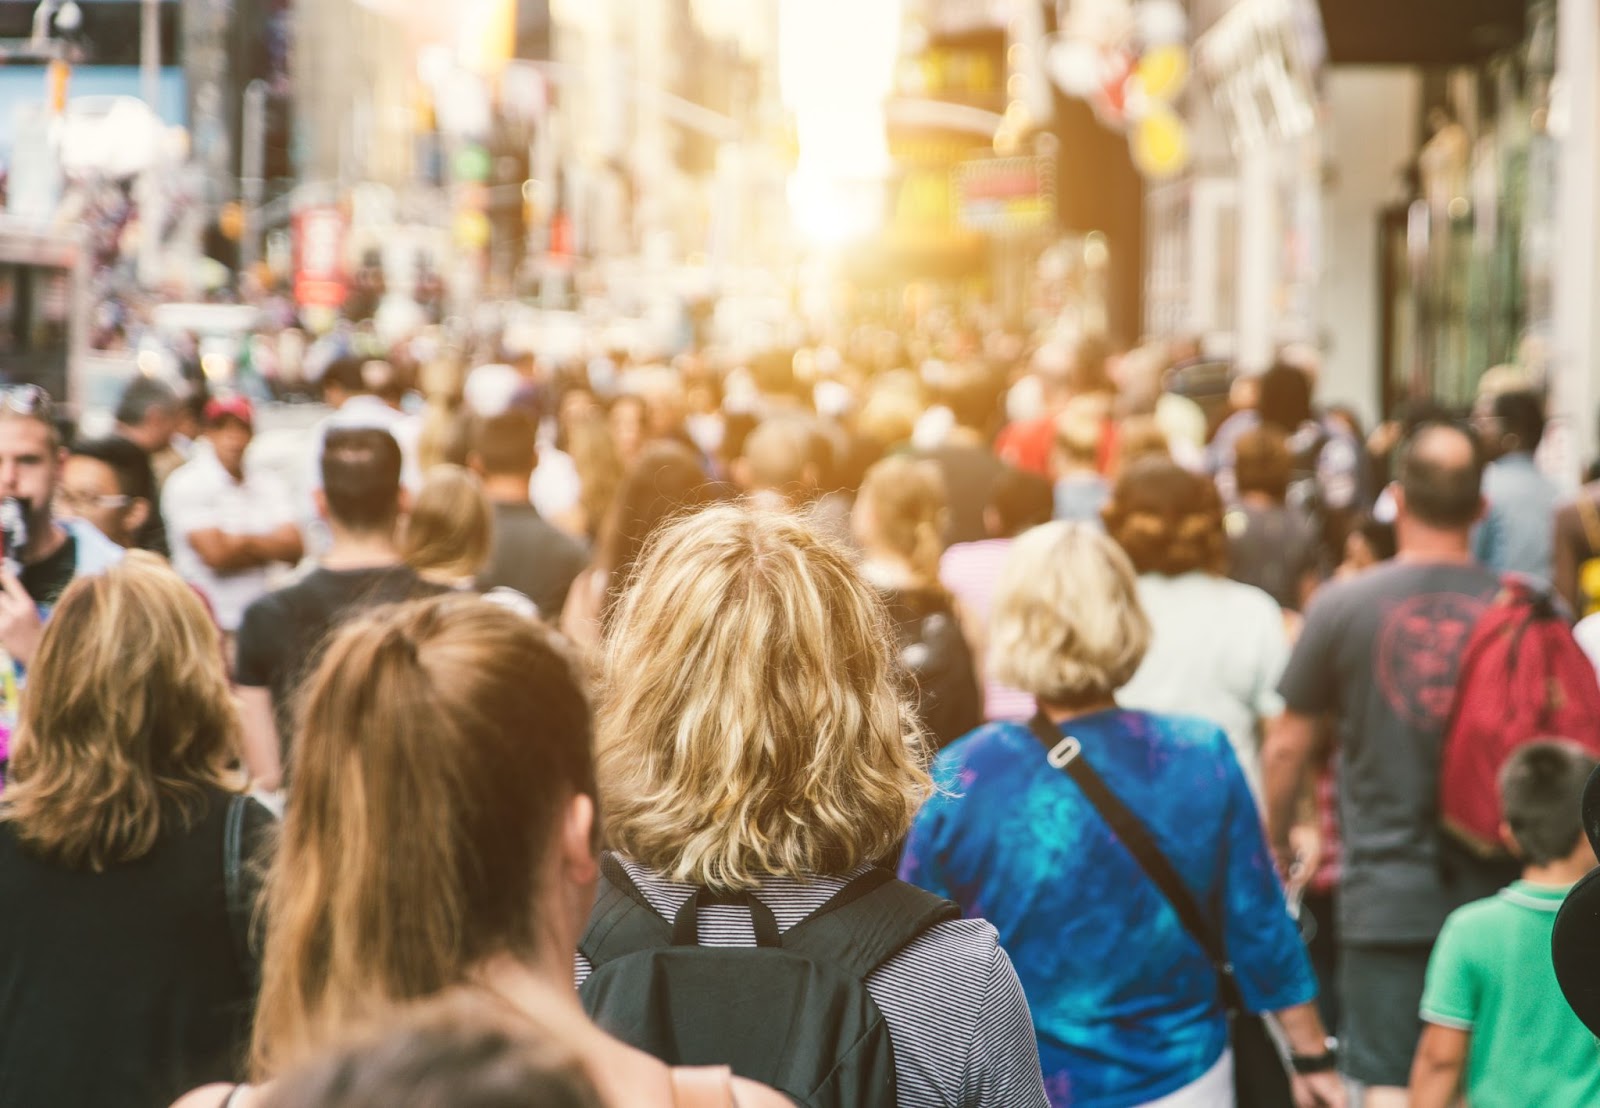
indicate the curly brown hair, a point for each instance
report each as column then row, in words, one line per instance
column 1168, row 520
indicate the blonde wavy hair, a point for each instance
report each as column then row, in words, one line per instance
column 749, row 722
column 126, row 722
column 907, row 509
column 1066, row 624
column 439, row 743
column 450, row 529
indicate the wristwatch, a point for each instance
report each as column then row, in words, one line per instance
column 1317, row 1063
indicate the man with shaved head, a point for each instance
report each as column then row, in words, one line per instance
column 1379, row 657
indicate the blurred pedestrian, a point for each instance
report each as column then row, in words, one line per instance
column 1127, row 1006
column 448, row 532
column 1217, row 647
column 455, row 708
column 126, row 853
column 1518, row 527
column 666, row 480
column 230, row 524
column 360, row 500
column 105, row 482
column 899, row 522
column 780, row 774
column 1381, row 652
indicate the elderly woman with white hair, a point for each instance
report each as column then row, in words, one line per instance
column 1128, row 1006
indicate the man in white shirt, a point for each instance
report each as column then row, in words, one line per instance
column 228, row 527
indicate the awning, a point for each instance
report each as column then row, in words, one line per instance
column 1420, row 32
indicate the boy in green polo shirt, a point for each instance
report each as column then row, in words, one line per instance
column 1491, row 1006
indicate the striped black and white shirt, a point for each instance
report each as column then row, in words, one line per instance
column 962, row 1034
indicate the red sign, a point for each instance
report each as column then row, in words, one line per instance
column 319, row 277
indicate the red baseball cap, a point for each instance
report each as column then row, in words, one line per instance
column 219, row 408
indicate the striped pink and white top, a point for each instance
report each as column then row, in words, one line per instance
column 971, row 570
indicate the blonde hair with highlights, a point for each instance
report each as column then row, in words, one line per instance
column 127, row 720
column 749, row 722
column 908, row 509
column 450, row 530
column 1066, row 624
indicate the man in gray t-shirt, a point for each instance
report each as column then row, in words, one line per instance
column 1380, row 654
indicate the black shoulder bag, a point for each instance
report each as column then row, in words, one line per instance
column 1260, row 1075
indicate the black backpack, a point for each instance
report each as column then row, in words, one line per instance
column 792, row 1012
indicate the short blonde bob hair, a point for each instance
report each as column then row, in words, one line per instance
column 127, row 721
column 1066, row 624
column 750, row 723
column 450, row 529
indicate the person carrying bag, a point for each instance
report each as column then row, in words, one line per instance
column 1261, row 1072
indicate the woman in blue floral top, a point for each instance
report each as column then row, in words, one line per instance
column 1125, row 1004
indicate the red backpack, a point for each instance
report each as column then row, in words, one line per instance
column 1523, row 677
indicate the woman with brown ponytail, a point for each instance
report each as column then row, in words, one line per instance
column 899, row 521
column 1217, row 647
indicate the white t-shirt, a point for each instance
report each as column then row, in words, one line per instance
column 1587, row 632
column 202, row 496
column 1217, row 650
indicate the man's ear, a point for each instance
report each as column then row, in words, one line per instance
column 320, row 500
column 1509, row 840
column 475, row 463
column 136, row 513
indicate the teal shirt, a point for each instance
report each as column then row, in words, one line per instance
column 1491, row 975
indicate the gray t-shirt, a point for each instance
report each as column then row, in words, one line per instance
column 1381, row 652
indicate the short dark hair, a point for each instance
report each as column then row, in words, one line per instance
column 1262, row 462
column 504, row 444
column 1022, row 500
column 1521, row 413
column 1437, row 493
column 345, row 373
column 130, row 464
column 361, row 477
column 143, row 395
column 1541, row 798
column 1284, row 398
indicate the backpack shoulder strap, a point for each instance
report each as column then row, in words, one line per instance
column 623, row 922
column 1135, row 837
column 867, row 922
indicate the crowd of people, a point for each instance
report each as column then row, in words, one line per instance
column 930, row 721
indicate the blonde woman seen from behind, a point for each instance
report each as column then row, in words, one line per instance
column 126, row 974
column 779, row 773
column 450, row 529
column 459, row 709
column 1127, row 1006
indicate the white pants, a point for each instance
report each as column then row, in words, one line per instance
column 1214, row 1089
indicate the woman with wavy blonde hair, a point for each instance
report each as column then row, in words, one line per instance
column 125, row 971
column 752, row 741
column 899, row 521
column 1217, row 647
column 441, row 835
column 1128, row 1008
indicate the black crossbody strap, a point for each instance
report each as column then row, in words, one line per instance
column 1064, row 754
